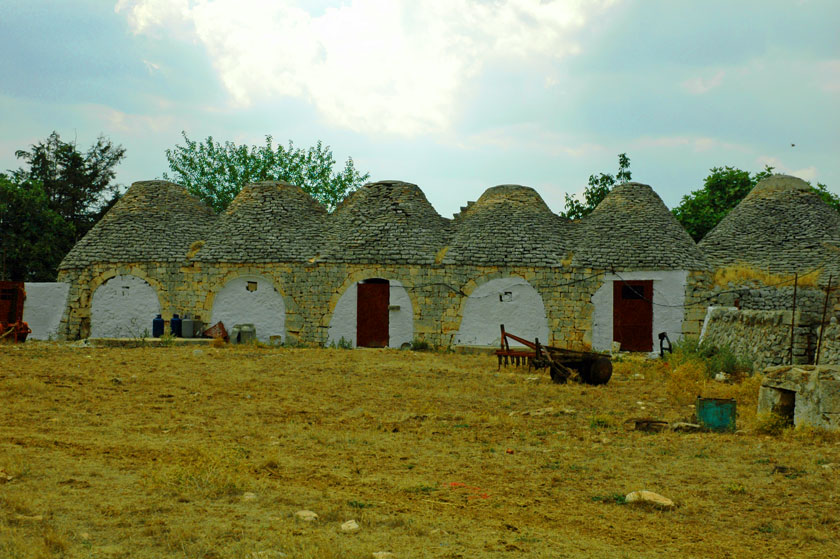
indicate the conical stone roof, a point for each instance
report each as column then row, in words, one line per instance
column 782, row 226
column 154, row 221
column 270, row 221
column 385, row 222
column 508, row 225
column 632, row 229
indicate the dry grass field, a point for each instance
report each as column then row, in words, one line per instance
column 168, row 452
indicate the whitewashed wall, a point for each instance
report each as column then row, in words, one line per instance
column 668, row 309
column 400, row 321
column 510, row 301
column 123, row 307
column 43, row 307
column 263, row 307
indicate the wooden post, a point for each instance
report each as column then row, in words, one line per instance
column 793, row 314
column 822, row 321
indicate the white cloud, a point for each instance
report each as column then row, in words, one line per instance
column 806, row 173
column 393, row 66
column 695, row 143
column 699, row 85
column 531, row 138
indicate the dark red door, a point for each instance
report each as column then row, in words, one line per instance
column 633, row 315
column 372, row 313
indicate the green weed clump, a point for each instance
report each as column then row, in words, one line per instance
column 716, row 359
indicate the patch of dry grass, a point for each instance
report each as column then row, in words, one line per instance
column 741, row 273
column 157, row 452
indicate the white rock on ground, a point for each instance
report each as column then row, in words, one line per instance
column 350, row 526
column 306, row 515
column 383, row 555
column 649, row 498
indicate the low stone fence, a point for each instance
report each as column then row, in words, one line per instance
column 763, row 336
column 830, row 349
column 804, row 395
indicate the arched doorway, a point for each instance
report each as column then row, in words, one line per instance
column 251, row 300
column 123, row 307
column 510, row 301
column 374, row 312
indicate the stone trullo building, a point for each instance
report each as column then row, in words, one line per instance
column 385, row 268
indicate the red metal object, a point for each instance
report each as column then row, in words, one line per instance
column 12, row 326
column 372, row 300
column 216, row 331
column 633, row 315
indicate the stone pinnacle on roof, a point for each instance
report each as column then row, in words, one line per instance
column 632, row 229
column 782, row 226
column 508, row 225
column 269, row 221
column 385, row 222
column 154, row 221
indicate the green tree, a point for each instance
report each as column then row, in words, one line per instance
column 52, row 202
column 598, row 188
column 78, row 186
column 216, row 172
column 31, row 233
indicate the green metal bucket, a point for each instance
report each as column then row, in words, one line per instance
column 716, row 414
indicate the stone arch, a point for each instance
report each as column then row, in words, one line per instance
column 123, row 306
column 508, row 300
column 343, row 318
column 250, row 299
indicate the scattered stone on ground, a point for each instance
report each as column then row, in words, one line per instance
column 248, row 496
column 197, row 353
column 4, row 477
column 350, row 526
column 28, row 518
column 684, row 427
column 383, row 555
column 722, row 377
column 648, row 424
column 535, row 413
column 831, row 466
column 649, row 498
column 306, row 515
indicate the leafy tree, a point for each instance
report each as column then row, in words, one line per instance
column 31, row 233
column 78, row 186
column 829, row 198
column 597, row 190
column 49, row 205
column 216, row 172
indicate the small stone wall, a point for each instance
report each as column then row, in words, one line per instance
column 807, row 395
column 763, row 336
column 830, row 349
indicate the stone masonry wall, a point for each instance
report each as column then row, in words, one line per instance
column 830, row 349
column 763, row 336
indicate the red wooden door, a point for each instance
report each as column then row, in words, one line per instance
column 633, row 315
column 372, row 313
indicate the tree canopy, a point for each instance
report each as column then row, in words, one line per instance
column 216, row 172
column 701, row 210
column 51, row 203
column 597, row 189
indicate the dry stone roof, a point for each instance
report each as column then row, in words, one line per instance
column 782, row 226
column 271, row 221
column 154, row 221
column 508, row 225
column 385, row 222
column 632, row 229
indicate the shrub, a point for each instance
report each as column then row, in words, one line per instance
column 420, row 345
column 715, row 358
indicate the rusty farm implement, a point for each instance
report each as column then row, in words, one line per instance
column 588, row 367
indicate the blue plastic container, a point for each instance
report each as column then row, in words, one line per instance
column 157, row 327
column 716, row 414
column 175, row 326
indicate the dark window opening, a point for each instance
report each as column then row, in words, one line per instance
column 630, row 292
column 252, row 286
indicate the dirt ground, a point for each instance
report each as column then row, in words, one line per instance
column 176, row 452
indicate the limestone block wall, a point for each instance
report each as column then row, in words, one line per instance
column 439, row 297
column 830, row 349
column 764, row 336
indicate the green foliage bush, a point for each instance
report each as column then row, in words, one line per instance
column 715, row 358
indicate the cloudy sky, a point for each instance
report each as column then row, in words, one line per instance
column 453, row 95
